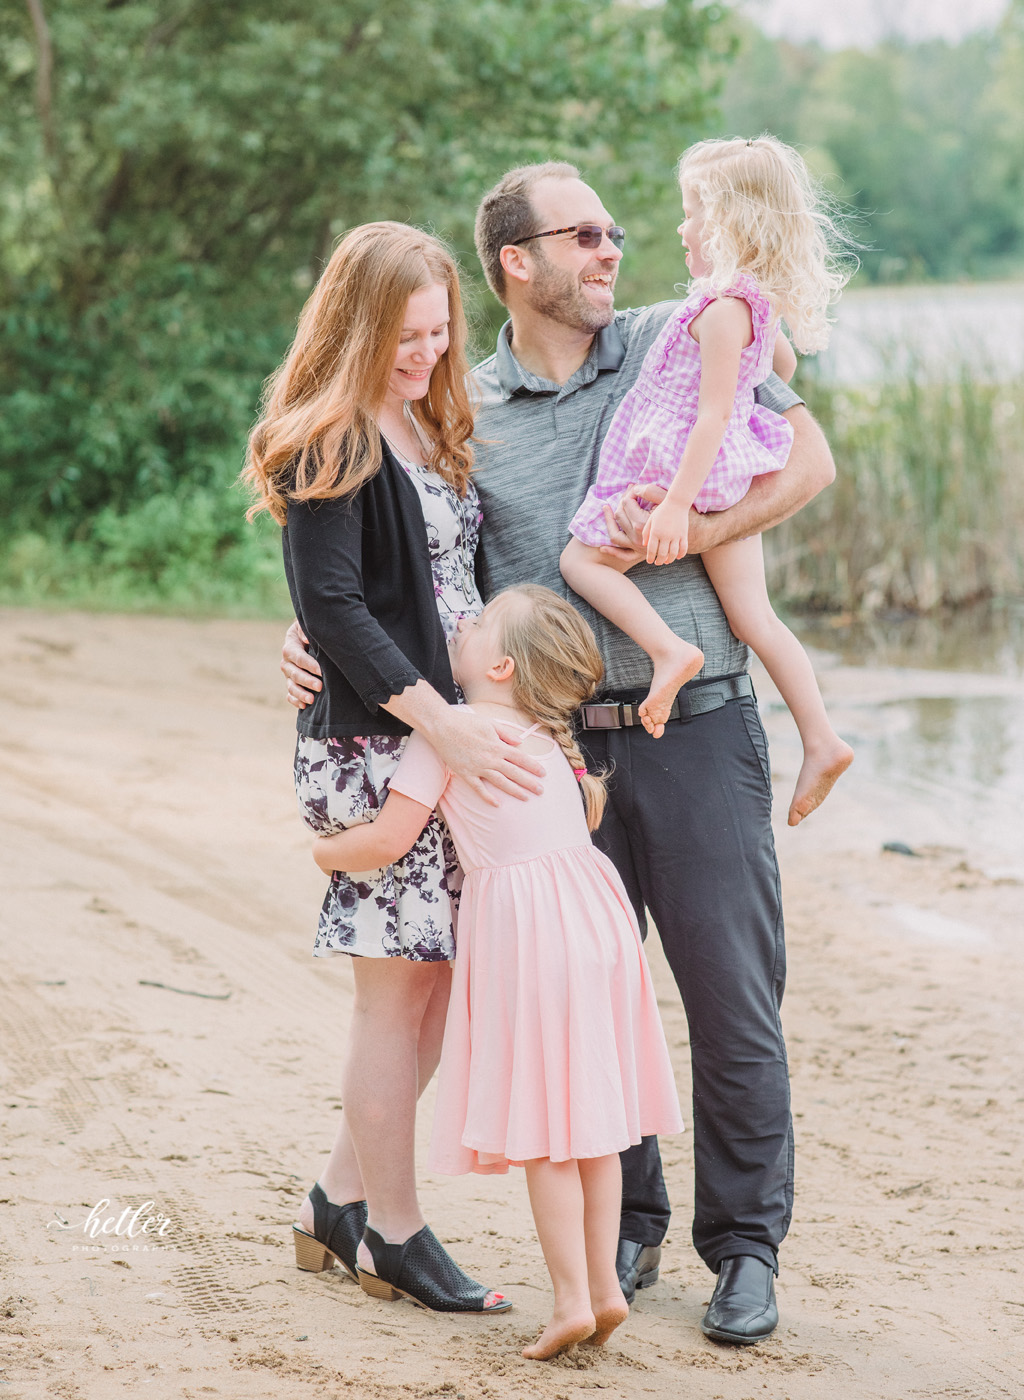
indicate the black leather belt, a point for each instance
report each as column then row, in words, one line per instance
column 697, row 698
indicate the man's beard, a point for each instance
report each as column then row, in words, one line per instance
column 557, row 293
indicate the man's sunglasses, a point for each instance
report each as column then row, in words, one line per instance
column 587, row 235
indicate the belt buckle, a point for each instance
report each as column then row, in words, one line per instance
column 602, row 714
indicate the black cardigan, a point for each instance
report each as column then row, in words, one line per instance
column 358, row 570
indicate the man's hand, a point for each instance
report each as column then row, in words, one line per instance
column 626, row 527
column 665, row 533
column 622, row 546
column 630, row 518
column 300, row 669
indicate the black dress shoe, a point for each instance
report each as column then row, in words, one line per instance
column 742, row 1308
column 637, row 1266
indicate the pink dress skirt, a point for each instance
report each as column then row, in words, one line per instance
column 553, row 1045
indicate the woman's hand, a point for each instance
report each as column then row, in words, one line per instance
column 486, row 755
column 666, row 532
column 300, row 670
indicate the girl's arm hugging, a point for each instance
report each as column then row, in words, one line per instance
column 375, row 844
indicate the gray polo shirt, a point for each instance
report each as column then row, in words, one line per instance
column 537, row 460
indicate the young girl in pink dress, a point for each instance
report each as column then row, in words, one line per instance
column 554, row 1055
column 758, row 245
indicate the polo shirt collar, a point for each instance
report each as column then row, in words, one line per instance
column 606, row 353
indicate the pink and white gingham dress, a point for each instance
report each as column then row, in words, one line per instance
column 648, row 433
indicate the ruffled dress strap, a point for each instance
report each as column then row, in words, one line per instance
column 744, row 287
column 757, row 357
column 765, row 322
column 696, row 300
column 761, row 307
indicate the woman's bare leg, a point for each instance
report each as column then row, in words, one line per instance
column 556, row 1198
column 394, row 1045
column 601, row 1179
column 737, row 572
column 599, row 578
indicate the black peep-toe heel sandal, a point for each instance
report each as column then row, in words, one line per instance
column 422, row 1270
column 337, row 1231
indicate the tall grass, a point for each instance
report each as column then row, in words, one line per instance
column 927, row 509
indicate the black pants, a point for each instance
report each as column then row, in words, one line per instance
column 688, row 825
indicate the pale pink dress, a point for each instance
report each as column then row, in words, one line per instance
column 646, row 438
column 553, row 1045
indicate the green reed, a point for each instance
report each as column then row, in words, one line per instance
column 927, row 507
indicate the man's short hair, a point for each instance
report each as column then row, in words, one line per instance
column 506, row 213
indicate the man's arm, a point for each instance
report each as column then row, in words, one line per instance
column 775, row 496
column 771, row 499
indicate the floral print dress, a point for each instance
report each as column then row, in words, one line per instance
column 405, row 910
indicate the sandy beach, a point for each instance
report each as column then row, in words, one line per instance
column 171, row 1060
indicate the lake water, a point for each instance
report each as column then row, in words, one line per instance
column 926, row 329
column 934, row 708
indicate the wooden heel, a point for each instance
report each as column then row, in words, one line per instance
column 377, row 1287
column 310, row 1254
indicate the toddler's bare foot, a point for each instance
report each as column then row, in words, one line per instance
column 818, row 774
column 607, row 1316
column 672, row 669
column 560, row 1333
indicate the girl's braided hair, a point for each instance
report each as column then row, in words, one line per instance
column 557, row 669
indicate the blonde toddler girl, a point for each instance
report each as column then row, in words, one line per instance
column 758, row 244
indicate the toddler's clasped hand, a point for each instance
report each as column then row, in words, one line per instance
column 666, row 532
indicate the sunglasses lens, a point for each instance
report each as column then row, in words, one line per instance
column 592, row 235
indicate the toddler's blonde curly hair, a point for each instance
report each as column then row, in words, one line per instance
column 765, row 215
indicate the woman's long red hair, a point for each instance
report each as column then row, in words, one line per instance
column 317, row 436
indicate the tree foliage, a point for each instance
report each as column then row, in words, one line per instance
column 925, row 141
column 173, row 175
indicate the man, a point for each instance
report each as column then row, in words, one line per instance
column 688, row 824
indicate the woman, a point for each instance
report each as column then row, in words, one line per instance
column 362, row 453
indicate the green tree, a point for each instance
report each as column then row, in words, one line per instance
column 174, row 176
column 923, row 141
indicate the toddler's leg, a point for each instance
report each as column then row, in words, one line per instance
column 601, row 1178
column 600, row 579
column 556, row 1197
column 737, row 572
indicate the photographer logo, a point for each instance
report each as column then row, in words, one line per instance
column 134, row 1228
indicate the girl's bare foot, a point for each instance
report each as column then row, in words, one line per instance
column 560, row 1333
column 818, row 774
column 607, row 1316
column 672, row 669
